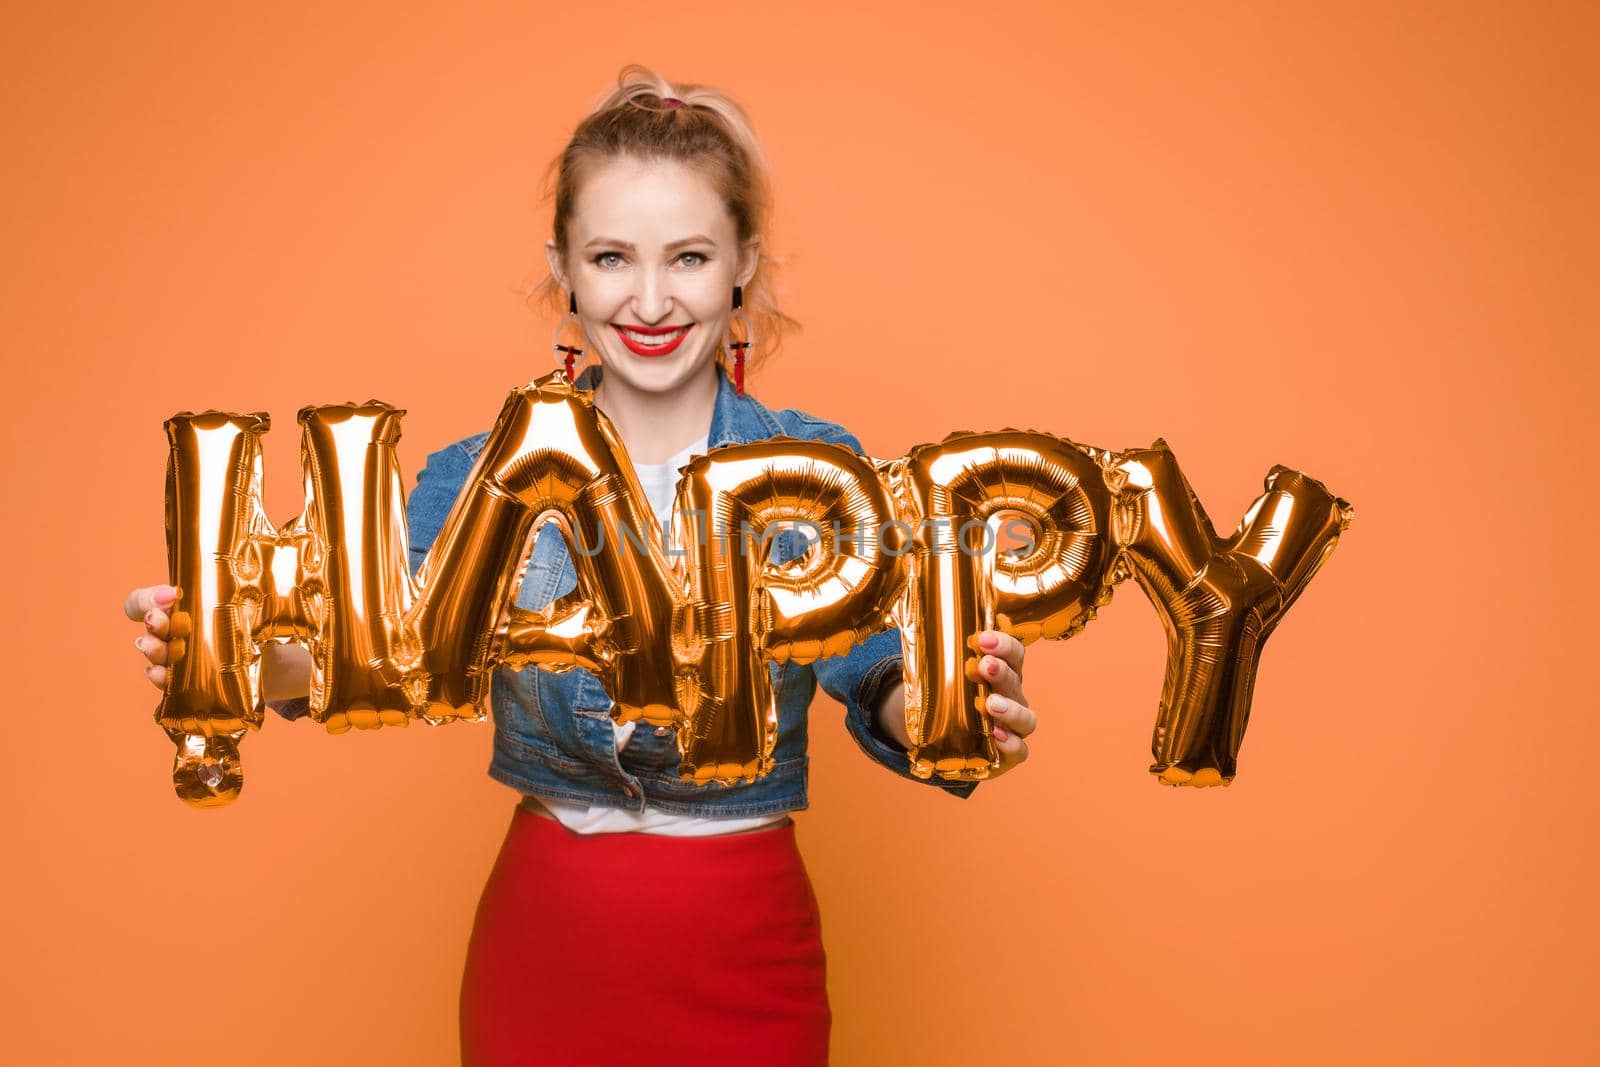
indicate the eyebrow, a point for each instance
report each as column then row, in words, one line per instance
column 698, row 238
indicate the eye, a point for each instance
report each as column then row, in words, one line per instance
column 604, row 260
column 694, row 259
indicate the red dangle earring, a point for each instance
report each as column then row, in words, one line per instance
column 741, row 335
column 569, row 339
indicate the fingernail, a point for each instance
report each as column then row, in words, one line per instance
column 991, row 666
column 989, row 640
column 166, row 597
column 138, row 642
column 997, row 704
column 1000, row 734
column 147, row 615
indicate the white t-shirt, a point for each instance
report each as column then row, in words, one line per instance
column 660, row 482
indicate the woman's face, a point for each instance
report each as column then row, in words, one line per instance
column 652, row 258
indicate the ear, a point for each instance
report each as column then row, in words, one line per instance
column 749, row 257
column 558, row 266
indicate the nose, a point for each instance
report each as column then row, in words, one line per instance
column 652, row 297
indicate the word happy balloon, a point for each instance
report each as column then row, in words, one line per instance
column 679, row 633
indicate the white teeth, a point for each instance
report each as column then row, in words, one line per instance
column 654, row 340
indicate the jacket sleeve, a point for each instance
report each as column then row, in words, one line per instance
column 859, row 678
column 438, row 484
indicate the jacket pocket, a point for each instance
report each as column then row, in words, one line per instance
column 518, row 713
column 649, row 753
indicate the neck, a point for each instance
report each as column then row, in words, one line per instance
column 655, row 426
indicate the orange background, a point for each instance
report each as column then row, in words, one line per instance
column 1351, row 238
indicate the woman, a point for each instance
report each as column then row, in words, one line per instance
column 631, row 915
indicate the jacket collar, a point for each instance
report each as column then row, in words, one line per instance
column 735, row 419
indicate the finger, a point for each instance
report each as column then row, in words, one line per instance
column 154, row 650
column 150, row 596
column 157, row 624
column 999, row 644
column 1016, row 717
column 999, row 677
column 157, row 676
column 1013, row 749
column 160, row 625
column 137, row 603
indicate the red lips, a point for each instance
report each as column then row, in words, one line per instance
column 639, row 348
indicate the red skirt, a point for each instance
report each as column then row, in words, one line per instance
column 633, row 948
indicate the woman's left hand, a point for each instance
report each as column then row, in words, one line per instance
column 999, row 663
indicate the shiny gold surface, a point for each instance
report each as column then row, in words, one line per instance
column 1218, row 599
column 551, row 457
column 949, row 496
column 215, row 557
column 682, row 634
column 747, row 610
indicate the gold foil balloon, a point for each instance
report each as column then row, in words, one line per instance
column 1219, row 600
column 551, row 457
column 950, row 496
column 747, row 610
column 352, row 584
column 385, row 648
column 333, row 579
column 213, row 481
column 684, row 636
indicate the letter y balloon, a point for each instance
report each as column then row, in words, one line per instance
column 681, row 633
column 1219, row 600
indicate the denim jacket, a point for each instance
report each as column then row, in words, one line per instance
column 553, row 733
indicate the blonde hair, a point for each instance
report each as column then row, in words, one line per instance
column 710, row 132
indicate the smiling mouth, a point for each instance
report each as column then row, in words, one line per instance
column 652, row 340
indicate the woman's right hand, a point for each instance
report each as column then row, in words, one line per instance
column 285, row 667
column 163, row 639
